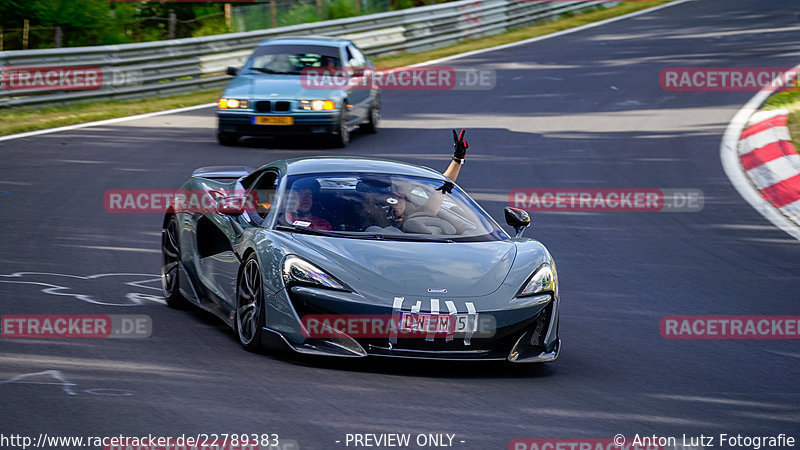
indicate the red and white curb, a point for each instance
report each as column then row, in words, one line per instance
column 771, row 162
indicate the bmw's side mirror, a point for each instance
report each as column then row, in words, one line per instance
column 233, row 71
column 517, row 218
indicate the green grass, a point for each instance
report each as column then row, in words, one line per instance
column 790, row 101
column 22, row 119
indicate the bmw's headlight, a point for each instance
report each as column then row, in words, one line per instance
column 300, row 271
column 232, row 103
column 317, row 105
column 543, row 280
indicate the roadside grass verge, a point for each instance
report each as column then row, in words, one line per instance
column 790, row 101
column 23, row 119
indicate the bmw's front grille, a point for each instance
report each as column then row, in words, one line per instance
column 264, row 106
column 281, row 106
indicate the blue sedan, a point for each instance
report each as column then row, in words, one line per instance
column 286, row 88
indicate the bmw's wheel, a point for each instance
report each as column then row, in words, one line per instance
column 228, row 139
column 342, row 137
column 249, row 305
column 371, row 127
column 170, row 267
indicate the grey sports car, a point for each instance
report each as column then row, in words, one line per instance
column 358, row 257
column 283, row 89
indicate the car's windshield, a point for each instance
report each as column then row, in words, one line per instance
column 386, row 206
column 290, row 59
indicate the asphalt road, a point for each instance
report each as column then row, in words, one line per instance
column 583, row 110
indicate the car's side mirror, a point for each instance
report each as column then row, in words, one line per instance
column 233, row 71
column 232, row 205
column 517, row 218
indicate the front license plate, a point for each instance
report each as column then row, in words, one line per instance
column 273, row 120
column 439, row 323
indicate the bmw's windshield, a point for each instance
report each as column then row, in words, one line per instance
column 384, row 206
column 290, row 59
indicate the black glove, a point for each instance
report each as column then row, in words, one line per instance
column 460, row 146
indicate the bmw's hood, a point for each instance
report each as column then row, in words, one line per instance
column 412, row 268
column 263, row 86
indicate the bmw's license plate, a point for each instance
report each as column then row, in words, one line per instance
column 439, row 323
column 273, row 120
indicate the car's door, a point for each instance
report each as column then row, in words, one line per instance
column 219, row 234
column 359, row 93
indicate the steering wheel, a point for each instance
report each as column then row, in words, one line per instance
column 424, row 222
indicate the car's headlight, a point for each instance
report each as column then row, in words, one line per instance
column 317, row 105
column 300, row 271
column 543, row 280
column 232, row 103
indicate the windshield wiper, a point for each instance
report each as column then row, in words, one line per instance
column 313, row 231
column 357, row 235
column 406, row 237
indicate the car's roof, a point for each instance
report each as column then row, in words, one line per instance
column 307, row 40
column 339, row 164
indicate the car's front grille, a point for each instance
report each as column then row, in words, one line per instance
column 264, row 106
column 281, row 106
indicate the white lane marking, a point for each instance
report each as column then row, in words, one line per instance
column 729, row 155
column 451, row 308
column 66, row 385
column 135, row 298
column 431, row 62
column 434, row 310
column 104, row 122
column 775, row 171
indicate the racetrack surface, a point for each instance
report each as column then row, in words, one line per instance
column 583, row 110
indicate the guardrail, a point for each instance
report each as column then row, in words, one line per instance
column 184, row 65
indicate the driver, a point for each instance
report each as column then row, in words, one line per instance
column 398, row 197
column 301, row 200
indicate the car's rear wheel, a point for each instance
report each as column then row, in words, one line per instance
column 229, row 139
column 371, row 126
column 250, row 304
column 342, row 137
column 170, row 267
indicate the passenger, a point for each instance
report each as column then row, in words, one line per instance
column 399, row 197
column 301, row 200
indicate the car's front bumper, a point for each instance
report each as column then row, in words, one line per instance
column 520, row 334
column 306, row 123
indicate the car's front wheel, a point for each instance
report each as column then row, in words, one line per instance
column 342, row 135
column 170, row 267
column 228, row 139
column 250, row 304
column 371, row 126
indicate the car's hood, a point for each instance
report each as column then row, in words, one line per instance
column 413, row 268
column 264, row 86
